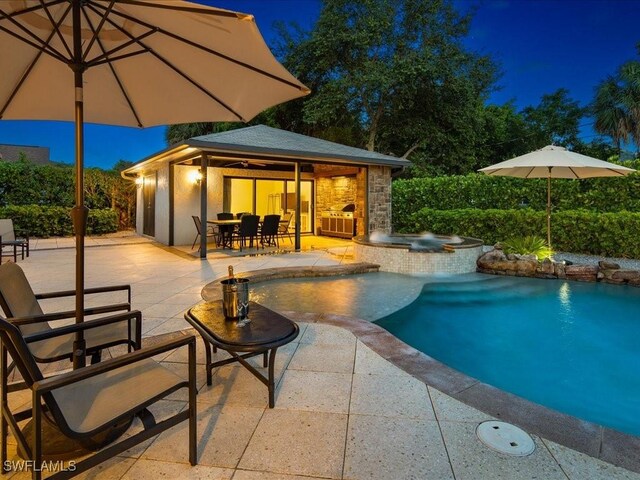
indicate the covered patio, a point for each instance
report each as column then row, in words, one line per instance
column 263, row 170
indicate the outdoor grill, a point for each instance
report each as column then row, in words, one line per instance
column 338, row 221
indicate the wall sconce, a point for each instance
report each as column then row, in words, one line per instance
column 139, row 182
column 195, row 176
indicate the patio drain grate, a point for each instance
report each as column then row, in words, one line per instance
column 505, row 438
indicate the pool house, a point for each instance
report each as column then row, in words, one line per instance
column 343, row 191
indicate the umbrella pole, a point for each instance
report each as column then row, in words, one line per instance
column 79, row 213
column 549, row 209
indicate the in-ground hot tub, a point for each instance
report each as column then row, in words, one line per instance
column 424, row 253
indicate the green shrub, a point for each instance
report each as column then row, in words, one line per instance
column 506, row 193
column 529, row 245
column 578, row 231
column 43, row 222
column 25, row 183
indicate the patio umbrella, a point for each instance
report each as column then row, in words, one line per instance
column 555, row 162
column 133, row 63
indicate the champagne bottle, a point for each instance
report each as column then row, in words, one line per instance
column 232, row 278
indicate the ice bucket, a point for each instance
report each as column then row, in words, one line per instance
column 235, row 297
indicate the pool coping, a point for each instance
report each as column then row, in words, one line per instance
column 595, row 440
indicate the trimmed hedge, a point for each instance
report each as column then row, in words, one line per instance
column 43, row 222
column 506, row 193
column 577, row 231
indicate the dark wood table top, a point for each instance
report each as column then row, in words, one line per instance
column 235, row 221
column 265, row 329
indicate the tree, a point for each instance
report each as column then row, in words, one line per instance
column 616, row 106
column 504, row 134
column 556, row 120
column 391, row 76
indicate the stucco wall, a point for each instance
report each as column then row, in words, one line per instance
column 162, row 205
column 139, row 210
column 187, row 202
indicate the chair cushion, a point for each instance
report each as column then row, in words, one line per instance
column 94, row 402
column 19, row 297
column 6, row 229
column 63, row 345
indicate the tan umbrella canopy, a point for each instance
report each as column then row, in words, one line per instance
column 132, row 63
column 555, row 162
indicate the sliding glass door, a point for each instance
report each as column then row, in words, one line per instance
column 268, row 197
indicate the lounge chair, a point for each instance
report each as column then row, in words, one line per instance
column 20, row 304
column 85, row 404
column 210, row 232
column 9, row 241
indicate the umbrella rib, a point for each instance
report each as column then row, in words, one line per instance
column 114, row 59
column 56, row 27
column 206, row 49
column 113, row 71
column 175, row 69
column 530, row 172
column 105, row 55
column 39, row 44
column 573, row 171
column 30, row 67
column 98, row 29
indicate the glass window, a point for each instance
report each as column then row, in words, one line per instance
column 269, row 197
column 238, row 195
column 306, row 204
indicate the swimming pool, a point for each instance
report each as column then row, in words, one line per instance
column 569, row 346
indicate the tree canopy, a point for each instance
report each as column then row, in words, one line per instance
column 394, row 76
column 616, row 106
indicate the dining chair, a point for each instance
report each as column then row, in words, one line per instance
column 269, row 230
column 248, row 229
column 210, row 231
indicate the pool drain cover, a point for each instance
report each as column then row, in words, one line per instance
column 505, row 438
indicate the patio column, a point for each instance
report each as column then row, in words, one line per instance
column 203, row 204
column 298, row 203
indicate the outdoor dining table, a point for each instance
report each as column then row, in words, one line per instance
column 226, row 234
column 261, row 334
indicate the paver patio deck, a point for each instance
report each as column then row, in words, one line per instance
column 341, row 412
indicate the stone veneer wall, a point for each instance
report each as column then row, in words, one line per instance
column 379, row 199
column 361, row 189
column 402, row 260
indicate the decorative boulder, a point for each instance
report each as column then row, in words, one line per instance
column 545, row 269
column 582, row 273
column 604, row 265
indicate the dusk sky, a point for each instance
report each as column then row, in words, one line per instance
column 540, row 46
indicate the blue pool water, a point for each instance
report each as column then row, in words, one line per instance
column 574, row 347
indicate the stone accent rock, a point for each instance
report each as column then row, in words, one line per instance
column 545, row 269
column 626, row 275
column 604, row 265
column 582, row 273
column 496, row 262
column 559, row 270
